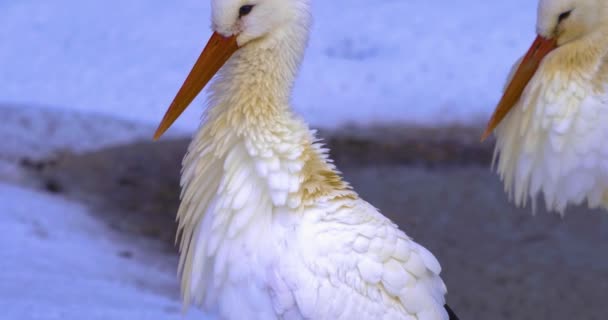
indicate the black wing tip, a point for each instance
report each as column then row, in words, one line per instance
column 451, row 313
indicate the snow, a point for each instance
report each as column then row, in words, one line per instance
column 422, row 61
column 37, row 132
column 57, row 262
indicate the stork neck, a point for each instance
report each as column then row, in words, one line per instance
column 250, row 107
column 256, row 83
column 583, row 56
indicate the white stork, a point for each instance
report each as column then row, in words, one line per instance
column 269, row 229
column 552, row 121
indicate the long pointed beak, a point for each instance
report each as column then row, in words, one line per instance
column 529, row 64
column 217, row 51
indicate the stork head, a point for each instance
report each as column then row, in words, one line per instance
column 559, row 22
column 568, row 20
column 235, row 24
column 248, row 20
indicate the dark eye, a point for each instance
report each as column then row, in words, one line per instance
column 563, row 16
column 244, row 10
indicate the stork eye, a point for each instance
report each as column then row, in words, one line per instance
column 563, row 16
column 245, row 10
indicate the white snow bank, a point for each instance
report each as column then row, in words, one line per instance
column 56, row 261
column 36, row 132
column 59, row 263
column 29, row 132
column 424, row 61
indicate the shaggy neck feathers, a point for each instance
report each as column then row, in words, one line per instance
column 254, row 87
column 584, row 59
column 250, row 104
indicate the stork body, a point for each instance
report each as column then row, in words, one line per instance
column 554, row 139
column 269, row 228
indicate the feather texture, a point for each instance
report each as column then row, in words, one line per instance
column 269, row 229
column 551, row 143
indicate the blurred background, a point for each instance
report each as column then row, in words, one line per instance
column 400, row 91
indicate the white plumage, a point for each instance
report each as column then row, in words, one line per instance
column 553, row 140
column 269, row 230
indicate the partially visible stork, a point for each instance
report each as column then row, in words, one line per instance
column 552, row 121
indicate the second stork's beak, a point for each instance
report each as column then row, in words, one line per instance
column 217, row 51
column 529, row 64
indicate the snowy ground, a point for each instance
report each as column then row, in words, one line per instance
column 426, row 61
column 57, row 261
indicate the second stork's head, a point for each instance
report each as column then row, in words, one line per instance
column 559, row 23
column 238, row 24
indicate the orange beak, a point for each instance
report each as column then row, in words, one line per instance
column 529, row 64
column 217, row 51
